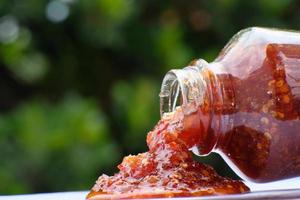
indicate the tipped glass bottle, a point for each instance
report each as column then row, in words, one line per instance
column 245, row 105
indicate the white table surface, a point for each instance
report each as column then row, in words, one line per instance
column 80, row 195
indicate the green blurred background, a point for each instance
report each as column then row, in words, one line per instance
column 79, row 79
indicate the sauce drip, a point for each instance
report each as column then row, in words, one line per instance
column 166, row 170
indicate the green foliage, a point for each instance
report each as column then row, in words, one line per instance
column 69, row 140
column 113, row 55
column 136, row 106
column 171, row 47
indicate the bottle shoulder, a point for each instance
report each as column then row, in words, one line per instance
column 255, row 39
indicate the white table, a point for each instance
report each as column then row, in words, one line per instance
column 48, row 196
column 280, row 185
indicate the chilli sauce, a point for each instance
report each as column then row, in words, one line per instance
column 245, row 105
column 166, row 170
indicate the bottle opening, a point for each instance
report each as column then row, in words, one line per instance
column 171, row 93
column 181, row 87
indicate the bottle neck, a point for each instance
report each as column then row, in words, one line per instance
column 196, row 90
column 181, row 87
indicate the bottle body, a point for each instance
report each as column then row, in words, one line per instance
column 249, row 107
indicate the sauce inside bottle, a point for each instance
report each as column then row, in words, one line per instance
column 265, row 140
column 248, row 103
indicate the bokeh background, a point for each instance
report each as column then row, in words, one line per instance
column 79, row 79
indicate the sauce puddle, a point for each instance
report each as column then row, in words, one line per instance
column 166, row 170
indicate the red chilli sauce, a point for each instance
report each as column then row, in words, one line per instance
column 166, row 170
column 245, row 105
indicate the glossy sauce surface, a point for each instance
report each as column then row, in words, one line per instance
column 167, row 169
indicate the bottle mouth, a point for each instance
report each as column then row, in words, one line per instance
column 181, row 87
column 171, row 93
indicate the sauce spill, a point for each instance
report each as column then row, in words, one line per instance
column 166, row 170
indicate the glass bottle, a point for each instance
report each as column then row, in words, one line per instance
column 245, row 105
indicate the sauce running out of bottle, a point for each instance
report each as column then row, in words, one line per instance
column 245, row 106
column 166, row 170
